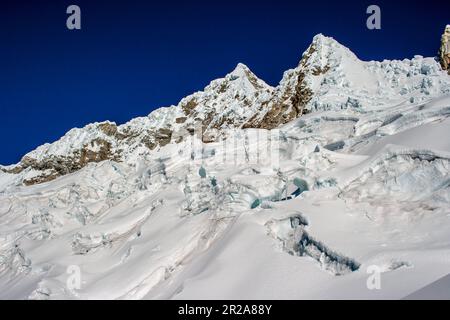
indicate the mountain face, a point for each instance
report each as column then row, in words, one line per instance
column 444, row 51
column 244, row 191
column 328, row 76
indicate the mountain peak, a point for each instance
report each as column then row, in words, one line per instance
column 320, row 40
column 240, row 67
column 241, row 71
column 242, row 76
column 320, row 37
column 325, row 52
column 321, row 43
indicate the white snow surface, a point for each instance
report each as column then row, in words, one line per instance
column 176, row 224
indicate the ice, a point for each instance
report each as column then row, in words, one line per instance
column 361, row 180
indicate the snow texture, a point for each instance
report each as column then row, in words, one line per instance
column 363, row 179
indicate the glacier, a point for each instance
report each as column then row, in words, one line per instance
column 252, row 195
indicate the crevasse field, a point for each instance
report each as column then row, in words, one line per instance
column 304, row 211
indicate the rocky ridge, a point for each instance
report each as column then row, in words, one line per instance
column 327, row 77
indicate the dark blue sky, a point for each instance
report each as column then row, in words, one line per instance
column 134, row 56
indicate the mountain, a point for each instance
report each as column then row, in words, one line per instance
column 329, row 76
column 244, row 190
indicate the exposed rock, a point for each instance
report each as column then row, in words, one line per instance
column 55, row 166
column 290, row 103
column 181, row 120
column 163, row 136
column 189, row 106
column 15, row 170
column 111, row 130
column 98, row 150
column 444, row 51
column 149, row 142
column 40, row 179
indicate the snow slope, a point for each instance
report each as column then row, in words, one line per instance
column 301, row 211
column 329, row 77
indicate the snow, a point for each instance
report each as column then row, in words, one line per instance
column 438, row 290
column 216, row 221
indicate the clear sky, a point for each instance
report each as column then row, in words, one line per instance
column 131, row 57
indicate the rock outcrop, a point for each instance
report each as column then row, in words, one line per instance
column 444, row 51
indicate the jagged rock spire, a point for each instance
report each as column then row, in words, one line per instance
column 444, row 51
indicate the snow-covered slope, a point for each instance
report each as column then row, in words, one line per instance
column 328, row 77
column 244, row 191
column 224, row 103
